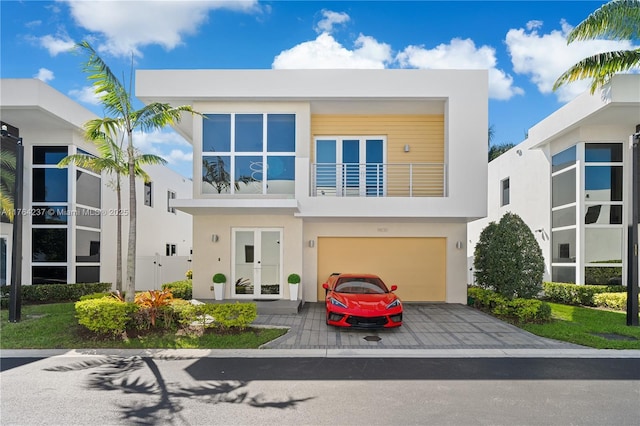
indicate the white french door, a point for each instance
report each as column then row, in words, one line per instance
column 257, row 263
column 350, row 165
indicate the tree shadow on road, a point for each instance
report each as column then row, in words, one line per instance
column 114, row 373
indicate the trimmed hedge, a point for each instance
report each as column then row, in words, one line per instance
column 617, row 301
column 516, row 310
column 182, row 289
column 106, row 315
column 219, row 315
column 56, row 293
column 574, row 294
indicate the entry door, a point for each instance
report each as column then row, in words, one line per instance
column 257, row 262
column 358, row 163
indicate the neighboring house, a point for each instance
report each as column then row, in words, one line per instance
column 321, row 171
column 69, row 214
column 570, row 181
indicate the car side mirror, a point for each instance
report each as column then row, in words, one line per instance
column 325, row 286
column 394, row 287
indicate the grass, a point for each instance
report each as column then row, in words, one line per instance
column 581, row 325
column 54, row 326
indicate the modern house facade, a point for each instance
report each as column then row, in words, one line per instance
column 69, row 214
column 570, row 181
column 320, row 171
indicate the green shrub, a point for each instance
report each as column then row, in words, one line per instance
column 56, row 293
column 218, row 315
column 517, row 310
column 106, row 315
column 617, row 301
column 94, row 296
column 508, row 259
column 180, row 289
column 575, row 294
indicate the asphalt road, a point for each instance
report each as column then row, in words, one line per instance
column 186, row 390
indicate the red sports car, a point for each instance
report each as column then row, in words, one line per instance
column 362, row 301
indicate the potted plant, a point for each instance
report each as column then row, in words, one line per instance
column 218, row 285
column 293, row 280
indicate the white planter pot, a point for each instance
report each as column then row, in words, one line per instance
column 293, row 291
column 218, row 290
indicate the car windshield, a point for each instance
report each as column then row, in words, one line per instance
column 361, row 286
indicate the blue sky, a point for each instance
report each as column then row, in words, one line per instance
column 522, row 43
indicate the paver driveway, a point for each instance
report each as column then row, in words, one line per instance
column 425, row 326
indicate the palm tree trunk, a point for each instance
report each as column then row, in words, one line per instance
column 119, row 236
column 131, row 252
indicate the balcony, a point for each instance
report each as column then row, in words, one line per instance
column 378, row 180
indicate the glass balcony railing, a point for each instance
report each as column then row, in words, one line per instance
column 378, row 180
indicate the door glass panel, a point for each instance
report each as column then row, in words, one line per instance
column 351, row 167
column 326, row 166
column 374, row 171
column 244, row 257
column 270, row 262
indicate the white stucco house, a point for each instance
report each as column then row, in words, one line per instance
column 69, row 214
column 570, row 181
column 321, row 171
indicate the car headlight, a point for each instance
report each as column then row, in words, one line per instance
column 336, row 302
column 394, row 304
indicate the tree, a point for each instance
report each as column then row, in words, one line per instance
column 616, row 20
column 497, row 150
column 112, row 160
column 7, row 183
column 508, row 259
column 123, row 120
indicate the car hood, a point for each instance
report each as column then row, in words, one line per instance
column 365, row 302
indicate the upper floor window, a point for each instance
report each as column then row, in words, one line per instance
column 148, row 191
column 504, row 198
column 248, row 154
column 170, row 196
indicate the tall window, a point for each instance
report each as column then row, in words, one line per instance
column 148, row 191
column 248, row 154
column 504, row 197
column 171, row 196
column 49, row 221
column 563, row 216
column 603, row 201
column 170, row 249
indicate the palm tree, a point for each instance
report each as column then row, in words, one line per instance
column 7, row 183
column 217, row 175
column 112, row 160
column 123, row 119
column 616, row 20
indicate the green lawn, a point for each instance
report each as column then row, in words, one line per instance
column 582, row 325
column 54, row 326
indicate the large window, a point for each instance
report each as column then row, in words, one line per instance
column 505, row 193
column 248, row 154
column 603, row 203
column 563, row 216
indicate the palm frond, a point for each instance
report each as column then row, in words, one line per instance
column 618, row 19
column 157, row 115
column 600, row 67
column 106, row 85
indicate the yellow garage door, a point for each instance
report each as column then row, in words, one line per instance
column 416, row 265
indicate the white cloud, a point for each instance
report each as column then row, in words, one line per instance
column 56, row 45
column 462, row 54
column 129, row 25
column 177, row 155
column 544, row 57
column 330, row 19
column 85, row 95
column 44, row 75
column 325, row 53
column 159, row 141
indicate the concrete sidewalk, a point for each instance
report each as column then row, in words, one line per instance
column 425, row 326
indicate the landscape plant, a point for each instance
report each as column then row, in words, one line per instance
column 508, row 259
column 123, row 119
